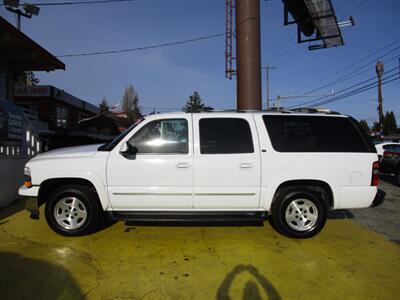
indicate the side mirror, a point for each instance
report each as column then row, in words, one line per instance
column 127, row 149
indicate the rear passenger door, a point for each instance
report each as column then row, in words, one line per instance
column 226, row 162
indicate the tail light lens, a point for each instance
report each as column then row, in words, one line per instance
column 375, row 174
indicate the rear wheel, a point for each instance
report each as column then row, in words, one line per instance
column 73, row 210
column 299, row 212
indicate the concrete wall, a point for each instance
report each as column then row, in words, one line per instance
column 11, row 178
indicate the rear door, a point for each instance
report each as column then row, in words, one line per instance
column 226, row 162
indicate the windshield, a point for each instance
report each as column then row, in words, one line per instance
column 110, row 145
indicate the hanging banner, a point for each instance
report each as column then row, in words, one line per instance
column 11, row 123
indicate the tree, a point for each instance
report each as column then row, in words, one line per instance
column 28, row 78
column 130, row 104
column 195, row 104
column 389, row 123
column 365, row 126
column 104, row 107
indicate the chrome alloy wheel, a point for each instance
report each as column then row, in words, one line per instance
column 70, row 213
column 301, row 214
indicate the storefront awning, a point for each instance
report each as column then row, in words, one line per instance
column 19, row 52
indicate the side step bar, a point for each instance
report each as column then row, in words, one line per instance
column 179, row 216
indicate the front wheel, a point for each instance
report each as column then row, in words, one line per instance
column 73, row 210
column 299, row 213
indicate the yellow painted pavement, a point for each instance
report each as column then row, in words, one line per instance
column 345, row 261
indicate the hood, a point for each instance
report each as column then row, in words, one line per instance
column 70, row 152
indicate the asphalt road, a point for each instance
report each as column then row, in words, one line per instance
column 384, row 219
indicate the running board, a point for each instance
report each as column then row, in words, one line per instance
column 179, row 216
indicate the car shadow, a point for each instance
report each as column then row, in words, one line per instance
column 27, row 278
column 131, row 224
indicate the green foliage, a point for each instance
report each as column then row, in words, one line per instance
column 365, row 126
column 195, row 104
column 104, row 107
column 130, row 104
column 28, row 78
column 389, row 123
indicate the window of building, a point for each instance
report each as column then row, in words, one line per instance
column 225, row 136
column 169, row 136
column 314, row 134
column 4, row 94
column 62, row 116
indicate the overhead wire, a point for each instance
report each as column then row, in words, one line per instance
column 360, row 90
column 345, row 89
column 321, row 100
column 77, row 2
column 206, row 37
column 346, row 68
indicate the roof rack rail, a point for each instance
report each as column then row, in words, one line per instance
column 315, row 110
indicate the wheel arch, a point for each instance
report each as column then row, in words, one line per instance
column 51, row 184
column 318, row 186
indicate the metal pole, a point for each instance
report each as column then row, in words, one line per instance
column 379, row 72
column 267, row 87
column 19, row 21
column 248, row 54
column 268, row 67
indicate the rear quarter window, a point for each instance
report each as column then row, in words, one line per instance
column 315, row 134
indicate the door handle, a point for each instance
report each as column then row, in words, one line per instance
column 182, row 165
column 246, row 166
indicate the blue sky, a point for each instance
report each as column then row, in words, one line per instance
column 165, row 77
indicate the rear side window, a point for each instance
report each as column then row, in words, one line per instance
column 225, row 135
column 314, row 134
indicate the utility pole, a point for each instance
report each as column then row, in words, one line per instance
column 267, row 68
column 248, row 54
column 379, row 72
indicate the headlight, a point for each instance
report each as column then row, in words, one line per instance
column 27, row 177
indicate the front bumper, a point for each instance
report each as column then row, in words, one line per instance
column 379, row 198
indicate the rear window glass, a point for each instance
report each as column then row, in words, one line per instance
column 314, row 134
column 225, row 136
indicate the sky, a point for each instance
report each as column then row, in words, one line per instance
column 165, row 77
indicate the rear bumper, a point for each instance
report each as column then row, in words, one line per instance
column 379, row 198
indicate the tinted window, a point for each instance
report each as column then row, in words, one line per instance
column 162, row 137
column 389, row 146
column 225, row 135
column 314, row 134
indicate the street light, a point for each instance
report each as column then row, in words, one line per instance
column 11, row 3
column 30, row 9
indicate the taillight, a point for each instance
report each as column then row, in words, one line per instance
column 375, row 174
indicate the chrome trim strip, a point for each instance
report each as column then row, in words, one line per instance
column 224, row 194
column 152, row 194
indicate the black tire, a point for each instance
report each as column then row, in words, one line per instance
column 88, row 216
column 317, row 212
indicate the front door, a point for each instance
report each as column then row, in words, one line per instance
column 226, row 163
column 160, row 174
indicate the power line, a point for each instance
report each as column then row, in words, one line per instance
column 357, row 7
column 359, row 90
column 349, row 66
column 348, row 88
column 144, row 47
column 351, row 74
column 78, row 2
column 370, row 86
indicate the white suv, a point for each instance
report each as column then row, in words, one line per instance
column 291, row 168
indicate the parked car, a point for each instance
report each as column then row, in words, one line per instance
column 289, row 167
column 390, row 162
column 382, row 146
